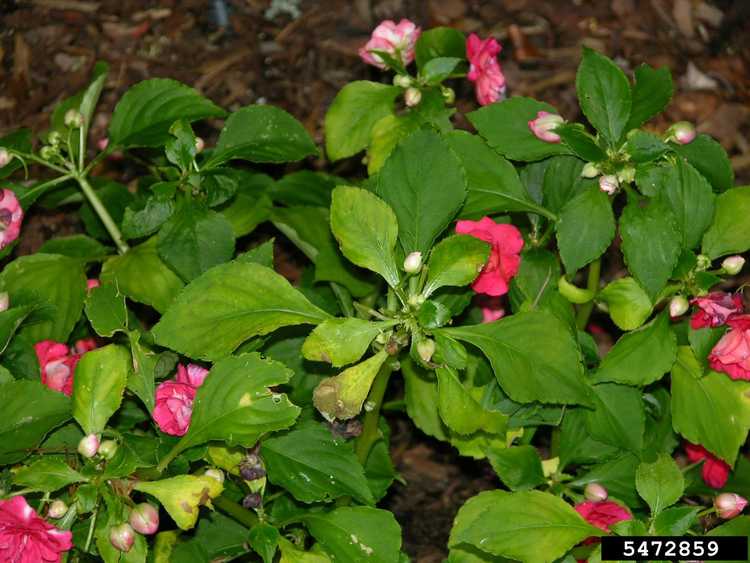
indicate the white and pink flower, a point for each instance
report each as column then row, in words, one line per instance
column 396, row 39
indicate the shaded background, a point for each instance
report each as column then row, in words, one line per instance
column 298, row 54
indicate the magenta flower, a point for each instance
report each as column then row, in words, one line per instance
column 603, row 514
column 715, row 309
column 174, row 399
column 398, row 40
column 57, row 362
column 192, row 374
column 715, row 471
column 11, row 217
column 27, row 538
column 484, row 70
column 731, row 355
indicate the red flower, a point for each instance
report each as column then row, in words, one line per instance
column 715, row 471
column 603, row 514
column 57, row 364
column 731, row 354
column 27, row 538
column 484, row 70
column 715, row 309
column 174, row 399
column 504, row 260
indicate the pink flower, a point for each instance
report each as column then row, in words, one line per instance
column 91, row 284
column 174, row 399
column 492, row 309
column 504, row 260
column 484, row 70
column 544, row 125
column 731, row 354
column 398, row 40
column 729, row 505
column 11, row 217
column 84, row 345
column 27, row 538
column 715, row 471
column 715, row 309
column 56, row 364
column 602, row 514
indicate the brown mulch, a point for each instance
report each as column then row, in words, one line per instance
column 48, row 48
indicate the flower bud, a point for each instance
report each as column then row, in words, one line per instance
column 609, row 184
column 57, row 509
column 252, row 472
column 122, row 537
column 54, row 138
column 4, row 301
column 702, row 263
column 73, row 119
column 88, row 446
column 102, row 143
column 729, row 505
column 5, row 157
column 253, row 500
column 626, row 175
column 413, row 263
column 217, row 474
column 412, row 97
column 449, row 94
column 595, row 492
column 200, row 144
column 107, row 449
column 544, row 125
column 144, row 519
column 425, row 349
column 733, row 264
column 48, row 152
column 402, row 80
column 590, row 170
column 682, row 132
column 678, row 306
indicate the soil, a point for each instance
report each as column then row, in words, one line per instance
column 299, row 62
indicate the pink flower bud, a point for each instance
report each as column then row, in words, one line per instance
column 678, row 306
column 595, row 492
column 200, row 144
column 102, row 143
column 88, row 446
column 425, row 349
column 107, row 449
column 4, row 301
column 144, row 519
column 682, row 132
column 5, row 157
column 92, row 283
column 412, row 97
column 544, row 125
column 122, row 537
column 413, row 263
column 398, row 40
column 733, row 264
column 729, row 505
column 609, row 184
column 57, row 509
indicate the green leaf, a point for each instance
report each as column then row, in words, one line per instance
column 366, row 229
column 528, row 526
column 261, row 254
column 236, row 405
column 711, row 410
column 314, row 466
column 182, row 496
column 576, row 443
column 100, row 379
column 617, row 475
column 264, row 540
column 640, row 357
column 194, row 240
column 628, row 304
column 106, row 311
column 651, row 94
column 50, row 281
column 660, row 483
column 604, row 94
column 738, row 526
column 76, row 246
column 115, row 197
column 385, row 135
column 423, row 182
column 526, row 372
column 290, row 553
column 439, row 42
column 342, row 341
column 421, row 397
column 580, row 142
column 142, row 276
column 455, row 262
column 116, row 513
column 729, row 232
column 585, row 228
column 562, row 181
column 141, row 379
column 709, row 158
column 47, row 475
column 689, row 196
column 180, row 149
column 262, row 134
column 10, row 321
column 30, row 411
column 518, row 467
column 356, row 109
column 250, row 206
column 676, row 521
column 438, row 69
column 141, row 222
column 651, row 244
column 619, row 418
column 228, row 304
column 492, row 182
column 145, row 113
column 457, row 407
column 505, row 125
column 357, row 533
column 643, row 146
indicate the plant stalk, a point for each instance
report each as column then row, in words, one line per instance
column 370, row 433
column 584, row 312
column 101, row 211
column 231, row 508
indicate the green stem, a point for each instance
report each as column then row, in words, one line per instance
column 231, row 508
column 167, row 459
column 584, row 312
column 370, row 433
column 101, row 211
column 90, row 535
column 344, row 299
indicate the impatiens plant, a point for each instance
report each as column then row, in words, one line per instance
column 169, row 396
